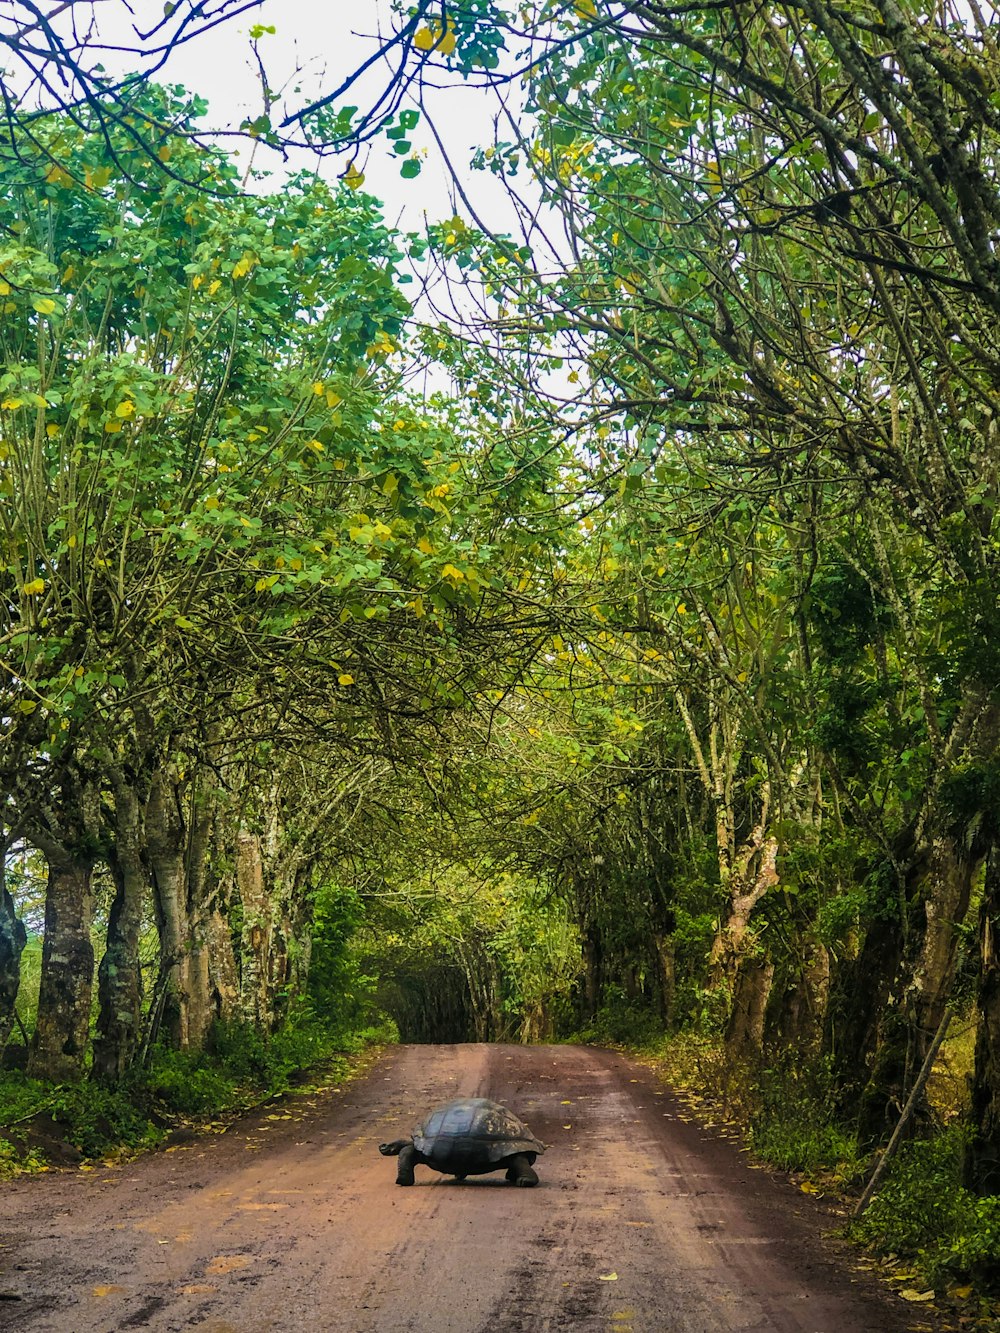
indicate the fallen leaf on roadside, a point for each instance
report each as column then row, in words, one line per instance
column 961, row 1293
column 198, row 1289
column 567, row 1102
column 910, row 1294
column 607, row 1277
column 108, row 1289
column 567, row 1126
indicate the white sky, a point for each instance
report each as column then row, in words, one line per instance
column 324, row 42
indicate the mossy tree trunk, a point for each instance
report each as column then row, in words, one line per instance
column 13, row 938
column 983, row 1166
column 60, row 1040
column 178, row 828
column 119, row 981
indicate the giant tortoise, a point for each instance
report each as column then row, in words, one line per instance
column 468, row 1137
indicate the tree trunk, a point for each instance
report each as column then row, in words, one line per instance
column 798, row 1008
column 592, row 970
column 255, row 941
column 858, row 1000
column 59, row 1044
column 119, row 985
column 664, row 946
column 13, row 938
column 748, row 880
column 745, row 1030
column 950, row 871
column 177, row 831
column 983, row 1162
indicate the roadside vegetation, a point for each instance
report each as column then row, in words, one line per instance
column 613, row 658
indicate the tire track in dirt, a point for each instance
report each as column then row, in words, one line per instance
column 292, row 1221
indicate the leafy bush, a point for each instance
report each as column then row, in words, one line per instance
column 923, row 1212
column 792, row 1127
column 622, row 1022
column 238, row 1068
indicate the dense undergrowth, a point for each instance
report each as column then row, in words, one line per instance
column 42, row 1123
column 923, row 1224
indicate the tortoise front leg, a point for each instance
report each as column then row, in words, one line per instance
column 520, row 1170
column 408, row 1158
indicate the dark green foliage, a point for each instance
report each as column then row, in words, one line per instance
column 338, row 989
column 841, row 726
column 845, row 613
column 924, row 1213
column 622, row 1022
column 971, row 798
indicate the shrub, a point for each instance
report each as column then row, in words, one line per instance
column 923, row 1212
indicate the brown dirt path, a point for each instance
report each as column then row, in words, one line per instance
column 296, row 1223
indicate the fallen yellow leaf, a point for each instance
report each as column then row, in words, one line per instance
column 909, row 1294
column 607, row 1277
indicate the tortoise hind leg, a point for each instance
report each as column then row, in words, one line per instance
column 408, row 1158
column 520, row 1170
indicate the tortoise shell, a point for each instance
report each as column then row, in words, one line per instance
column 473, row 1135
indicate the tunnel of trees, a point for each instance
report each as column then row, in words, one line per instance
column 619, row 654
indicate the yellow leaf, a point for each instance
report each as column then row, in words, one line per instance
column 345, row 679
column 607, row 1277
column 353, row 178
column 447, row 44
column 212, row 502
column 27, row 706
column 4, row 288
column 450, row 572
column 319, row 388
column 109, row 1288
column 125, row 409
column 51, row 430
column 44, row 305
column 681, row 609
column 910, row 1294
column 214, row 286
column 164, row 153
column 34, row 587
column 424, row 40
column 11, row 404
column 262, row 585
column 71, row 541
column 426, row 546
column 112, row 427
column 315, row 446
column 333, row 399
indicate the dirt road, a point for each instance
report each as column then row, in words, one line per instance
column 642, row 1223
